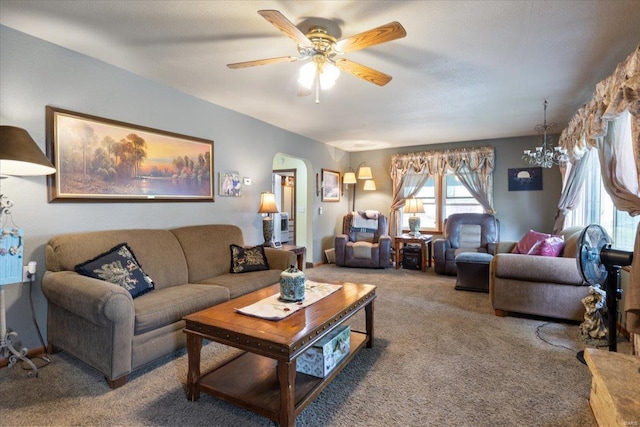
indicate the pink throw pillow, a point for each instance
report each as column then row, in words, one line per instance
column 528, row 242
column 552, row 246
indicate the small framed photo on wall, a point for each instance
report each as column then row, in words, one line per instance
column 330, row 186
column 230, row 184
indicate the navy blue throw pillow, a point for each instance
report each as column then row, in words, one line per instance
column 118, row 266
column 244, row 260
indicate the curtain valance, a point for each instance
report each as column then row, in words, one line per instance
column 475, row 159
column 613, row 96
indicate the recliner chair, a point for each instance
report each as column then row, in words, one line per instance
column 464, row 232
column 363, row 249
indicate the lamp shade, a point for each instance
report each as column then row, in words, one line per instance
column 267, row 203
column 20, row 155
column 349, row 178
column 413, row 206
column 369, row 185
column 365, row 173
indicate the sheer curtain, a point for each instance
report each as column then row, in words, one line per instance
column 409, row 172
column 410, row 184
column 573, row 181
column 613, row 111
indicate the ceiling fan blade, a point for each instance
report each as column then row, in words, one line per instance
column 266, row 61
column 278, row 20
column 382, row 34
column 365, row 73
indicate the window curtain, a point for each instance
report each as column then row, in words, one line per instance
column 573, row 177
column 409, row 186
column 614, row 109
column 473, row 167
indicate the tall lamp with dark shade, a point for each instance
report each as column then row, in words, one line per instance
column 267, row 206
column 19, row 156
column 413, row 206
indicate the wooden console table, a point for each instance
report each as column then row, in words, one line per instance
column 299, row 251
column 424, row 240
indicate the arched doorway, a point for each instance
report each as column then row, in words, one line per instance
column 293, row 173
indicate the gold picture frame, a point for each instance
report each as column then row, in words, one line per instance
column 98, row 159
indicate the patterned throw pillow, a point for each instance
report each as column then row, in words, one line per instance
column 118, row 266
column 244, row 260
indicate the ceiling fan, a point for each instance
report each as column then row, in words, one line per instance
column 325, row 53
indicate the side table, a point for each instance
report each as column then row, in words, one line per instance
column 424, row 240
column 299, row 251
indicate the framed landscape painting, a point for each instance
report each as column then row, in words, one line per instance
column 98, row 159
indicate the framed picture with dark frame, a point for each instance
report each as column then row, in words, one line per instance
column 525, row 179
column 330, row 186
column 100, row 160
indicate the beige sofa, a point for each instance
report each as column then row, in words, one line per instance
column 101, row 324
column 538, row 285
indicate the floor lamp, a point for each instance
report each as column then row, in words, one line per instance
column 363, row 172
column 19, row 156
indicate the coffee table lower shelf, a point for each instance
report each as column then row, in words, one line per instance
column 250, row 381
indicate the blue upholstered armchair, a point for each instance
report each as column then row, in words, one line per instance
column 362, row 247
column 464, row 232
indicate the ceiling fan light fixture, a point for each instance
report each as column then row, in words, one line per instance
column 329, row 73
column 307, row 75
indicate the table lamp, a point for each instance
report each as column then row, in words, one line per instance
column 19, row 156
column 267, row 206
column 413, row 206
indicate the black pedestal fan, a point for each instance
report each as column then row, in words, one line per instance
column 599, row 264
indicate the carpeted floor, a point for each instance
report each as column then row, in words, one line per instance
column 440, row 358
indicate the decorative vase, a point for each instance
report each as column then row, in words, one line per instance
column 292, row 285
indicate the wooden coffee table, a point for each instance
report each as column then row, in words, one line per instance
column 264, row 378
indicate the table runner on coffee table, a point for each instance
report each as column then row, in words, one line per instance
column 272, row 308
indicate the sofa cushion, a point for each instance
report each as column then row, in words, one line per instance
column 246, row 260
column 153, row 249
column 206, row 248
column 529, row 241
column 245, row 283
column 530, row 268
column 166, row 306
column 362, row 249
column 118, row 266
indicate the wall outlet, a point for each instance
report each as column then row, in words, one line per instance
column 25, row 273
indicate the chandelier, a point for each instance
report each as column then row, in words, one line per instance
column 546, row 155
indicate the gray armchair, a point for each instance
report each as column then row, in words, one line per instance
column 363, row 249
column 465, row 232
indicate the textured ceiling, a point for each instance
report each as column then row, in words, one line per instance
column 467, row 70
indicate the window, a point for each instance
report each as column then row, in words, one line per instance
column 441, row 200
column 457, row 198
column 596, row 207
